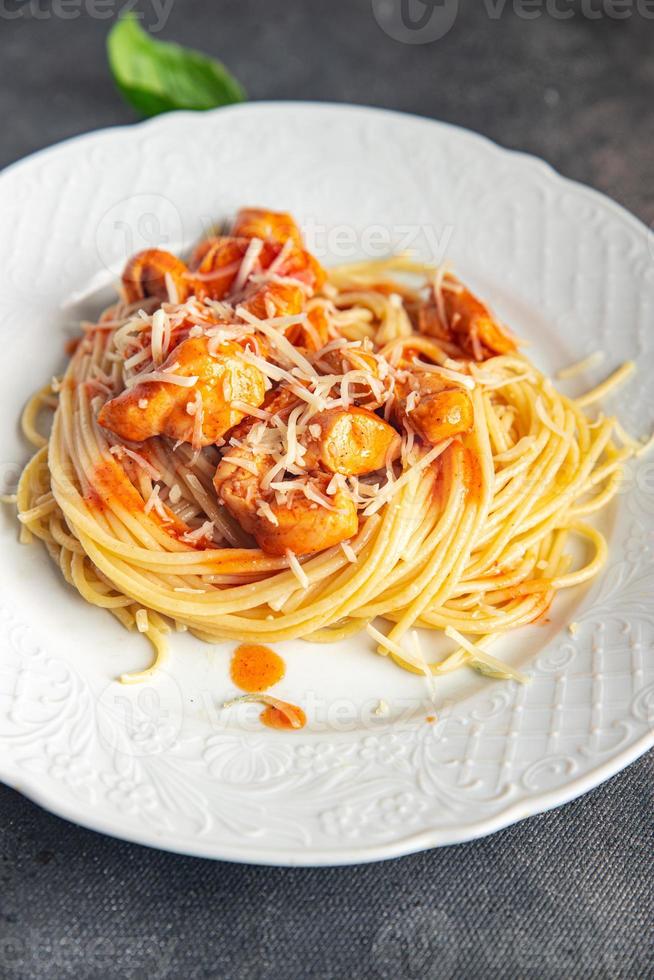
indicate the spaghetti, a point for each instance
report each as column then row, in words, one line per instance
column 250, row 450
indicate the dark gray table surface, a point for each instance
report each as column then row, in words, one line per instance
column 566, row 894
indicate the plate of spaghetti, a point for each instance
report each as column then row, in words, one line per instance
column 340, row 537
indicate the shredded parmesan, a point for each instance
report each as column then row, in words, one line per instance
column 272, row 371
column 412, row 401
column 168, row 377
column 205, row 531
column 279, row 260
column 461, row 379
column 481, row 657
column 391, row 489
column 247, row 264
column 150, row 502
column 265, row 510
column 423, row 665
column 269, row 329
column 160, row 335
column 297, row 569
column 381, row 709
column 120, row 451
column 154, row 502
column 247, row 409
column 389, row 645
column 139, row 358
column 171, row 289
column 243, row 463
column 349, row 552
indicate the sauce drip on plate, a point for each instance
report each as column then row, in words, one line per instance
column 256, row 668
column 274, row 718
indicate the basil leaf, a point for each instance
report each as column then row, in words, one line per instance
column 156, row 76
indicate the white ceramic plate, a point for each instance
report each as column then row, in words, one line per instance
column 163, row 765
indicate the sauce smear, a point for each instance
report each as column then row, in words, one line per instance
column 274, row 718
column 255, row 668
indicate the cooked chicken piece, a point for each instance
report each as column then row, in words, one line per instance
column 153, row 408
column 352, row 442
column 156, row 273
column 469, row 324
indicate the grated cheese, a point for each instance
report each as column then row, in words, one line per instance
column 279, row 260
column 297, row 569
column 204, row 531
column 121, row 451
column 424, row 666
column 160, row 331
column 461, row 379
column 391, row 489
column 168, row 377
column 381, row 709
column 349, row 552
column 265, row 510
column 171, row 289
column 412, row 400
column 247, row 264
column 387, row 644
column 312, row 494
column 243, row 463
column 139, row 358
column 246, row 409
column 481, row 657
column 269, row 329
column 154, row 502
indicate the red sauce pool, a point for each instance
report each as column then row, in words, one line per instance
column 274, row 718
column 256, row 668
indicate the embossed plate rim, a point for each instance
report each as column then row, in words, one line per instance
column 48, row 794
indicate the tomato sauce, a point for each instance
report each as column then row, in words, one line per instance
column 71, row 345
column 274, row 718
column 256, row 668
column 473, row 476
column 108, row 482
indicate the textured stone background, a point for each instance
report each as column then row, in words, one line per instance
column 566, row 894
